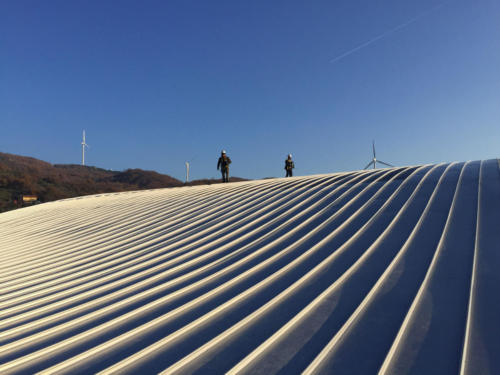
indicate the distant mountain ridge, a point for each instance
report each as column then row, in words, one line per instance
column 22, row 175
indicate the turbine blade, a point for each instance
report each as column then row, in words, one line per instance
column 389, row 165
column 370, row 163
column 373, row 146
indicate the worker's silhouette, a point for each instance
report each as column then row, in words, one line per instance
column 289, row 165
column 223, row 164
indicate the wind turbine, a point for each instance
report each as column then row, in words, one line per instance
column 374, row 160
column 187, row 172
column 187, row 167
column 84, row 144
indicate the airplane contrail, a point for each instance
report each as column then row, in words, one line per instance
column 389, row 32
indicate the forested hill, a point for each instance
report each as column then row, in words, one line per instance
column 24, row 175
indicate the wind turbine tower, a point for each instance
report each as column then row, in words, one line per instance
column 374, row 160
column 188, row 164
column 84, row 144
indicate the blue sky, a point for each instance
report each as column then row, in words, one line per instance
column 155, row 83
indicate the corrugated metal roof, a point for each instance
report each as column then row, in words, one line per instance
column 393, row 270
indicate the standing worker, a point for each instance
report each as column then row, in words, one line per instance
column 289, row 165
column 223, row 164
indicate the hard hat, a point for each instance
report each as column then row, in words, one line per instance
column 223, row 152
column 289, row 155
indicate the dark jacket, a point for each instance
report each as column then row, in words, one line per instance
column 223, row 162
column 289, row 164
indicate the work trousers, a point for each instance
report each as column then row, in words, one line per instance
column 225, row 174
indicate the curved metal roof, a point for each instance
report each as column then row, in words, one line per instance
column 391, row 271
